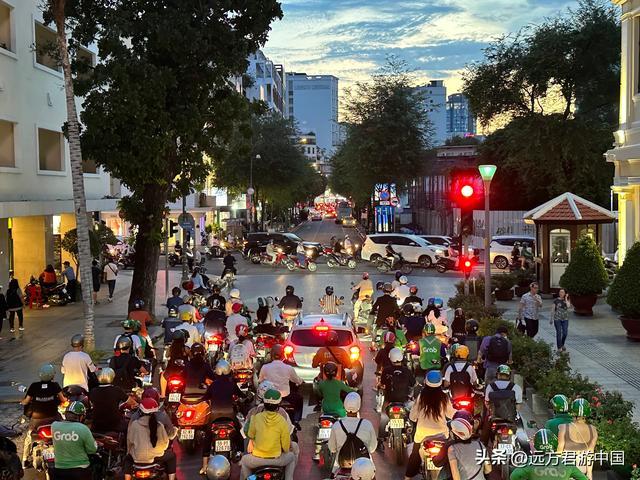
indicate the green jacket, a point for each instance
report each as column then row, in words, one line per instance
column 73, row 442
column 554, row 423
column 430, row 358
column 331, row 402
column 548, row 472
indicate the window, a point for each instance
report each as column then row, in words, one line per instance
column 50, row 150
column 309, row 338
column 45, row 47
column 89, row 166
column 5, row 27
column 7, row 145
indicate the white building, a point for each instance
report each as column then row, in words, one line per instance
column 435, row 98
column 314, row 154
column 36, row 201
column 626, row 152
column 313, row 103
column 460, row 121
column 268, row 82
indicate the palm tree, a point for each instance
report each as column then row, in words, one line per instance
column 57, row 9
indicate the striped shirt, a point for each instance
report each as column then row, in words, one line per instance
column 329, row 304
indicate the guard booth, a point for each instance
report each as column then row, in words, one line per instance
column 559, row 223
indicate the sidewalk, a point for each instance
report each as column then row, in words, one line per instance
column 597, row 346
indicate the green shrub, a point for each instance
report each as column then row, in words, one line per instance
column 503, row 281
column 585, row 274
column 472, row 305
column 531, row 358
column 624, row 293
column 479, row 287
column 489, row 325
column 525, row 277
column 620, row 435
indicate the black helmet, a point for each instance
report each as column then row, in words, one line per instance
column 387, row 287
column 138, row 304
column 471, row 326
column 332, row 338
column 407, row 308
column 459, row 313
column 179, row 334
column 77, row 340
column 198, row 350
column 330, row 369
column 289, row 290
column 379, row 285
column 216, row 289
column 398, row 275
column 329, row 290
column 124, row 343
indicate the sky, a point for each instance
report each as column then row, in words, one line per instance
column 352, row 38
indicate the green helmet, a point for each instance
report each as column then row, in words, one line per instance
column 76, row 408
column 429, row 329
column 47, row 372
column 580, row 408
column 135, row 325
column 452, row 349
column 127, row 324
column 560, row 403
column 545, row 441
column 272, row 397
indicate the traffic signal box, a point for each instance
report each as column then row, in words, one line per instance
column 468, row 193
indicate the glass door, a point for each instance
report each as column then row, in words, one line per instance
column 560, row 242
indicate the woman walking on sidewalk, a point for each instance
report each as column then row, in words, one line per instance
column 560, row 318
column 111, row 272
column 15, row 304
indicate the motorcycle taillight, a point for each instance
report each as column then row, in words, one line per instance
column 189, row 414
column 432, row 448
column 222, row 433
column 325, row 424
column 44, row 432
column 142, row 474
column 176, row 382
column 506, row 431
column 462, row 403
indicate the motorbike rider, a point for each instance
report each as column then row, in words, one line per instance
column 330, row 302
column 148, row 352
column 77, row 365
column 412, row 321
column 72, row 444
column 473, row 341
column 233, row 321
column 269, row 434
column 198, row 372
column 391, row 324
column 561, row 415
column 216, row 301
column 331, row 352
column 241, row 351
column 229, row 262
column 526, row 257
column 136, row 341
column 413, row 296
column 198, row 281
column 271, row 251
column 148, row 441
column 363, row 469
column 365, row 293
column 290, row 303
column 382, row 356
column 176, row 359
column 41, row 404
column 515, row 254
column 579, row 437
column 361, row 427
column 140, row 314
column 503, row 404
column 398, row 382
column 106, row 400
column 188, row 306
column 348, row 245
column 384, row 307
column 401, row 292
column 331, row 389
column 264, row 314
column 463, row 452
column 126, row 365
column 460, row 376
column 220, row 394
column 391, row 254
column 281, row 374
column 234, row 297
column 432, row 350
column 458, row 325
column 175, row 300
column 301, row 253
column 192, row 335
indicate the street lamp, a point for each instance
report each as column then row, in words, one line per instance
column 487, row 172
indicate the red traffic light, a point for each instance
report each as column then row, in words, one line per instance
column 467, row 264
column 467, row 191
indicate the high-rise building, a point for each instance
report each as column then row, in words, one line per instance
column 313, row 104
column 460, row 120
column 435, row 97
column 268, row 82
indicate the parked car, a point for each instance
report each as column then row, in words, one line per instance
column 316, row 217
column 442, row 240
column 256, row 243
column 502, row 245
column 308, row 334
column 349, row 222
column 414, row 249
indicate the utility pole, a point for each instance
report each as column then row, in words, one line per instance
column 487, row 172
column 185, row 265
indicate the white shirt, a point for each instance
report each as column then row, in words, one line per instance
column 501, row 384
column 135, row 339
column 427, row 426
column 197, row 256
column 111, row 271
column 197, row 281
column 232, row 322
column 459, row 365
column 280, row 374
column 401, row 292
column 366, row 433
column 75, row 366
column 194, row 335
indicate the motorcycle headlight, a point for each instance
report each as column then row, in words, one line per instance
column 309, row 252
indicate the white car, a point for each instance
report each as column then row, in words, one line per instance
column 439, row 240
column 502, row 245
column 413, row 248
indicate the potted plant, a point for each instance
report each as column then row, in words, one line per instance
column 523, row 280
column 503, row 284
column 624, row 293
column 585, row 276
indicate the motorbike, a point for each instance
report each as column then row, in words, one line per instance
column 280, row 258
column 268, row 473
column 110, row 455
column 505, row 439
column 52, row 296
column 214, row 343
column 126, row 260
column 154, row 471
column 431, row 448
column 446, row 263
column 175, row 391
column 400, row 430
column 174, row 259
column 192, row 418
column 263, row 344
column 323, row 455
column 386, row 264
column 222, row 430
column 42, row 453
column 308, row 264
column 244, row 379
column 227, row 280
column 412, row 355
column 337, row 260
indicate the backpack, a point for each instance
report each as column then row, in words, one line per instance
column 460, row 381
column 503, row 402
column 473, row 343
column 498, row 350
column 238, row 356
column 353, row 447
column 123, row 379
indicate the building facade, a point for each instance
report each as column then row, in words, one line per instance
column 36, row 201
column 460, row 120
column 308, row 145
column 313, row 104
column 435, row 97
column 269, row 83
column 626, row 152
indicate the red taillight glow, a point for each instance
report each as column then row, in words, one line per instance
column 467, row 263
column 215, row 339
column 466, row 191
column 288, row 351
column 176, row 382
column 189, row 414
column 433, row 449
column 506, row 431
column 45, row 432
column 464, row 403
column 321, row 329
column 143, row 474
column 325, row 424
column 267, row 476
column 396, row 409
column 354, row 353
column 222, row 433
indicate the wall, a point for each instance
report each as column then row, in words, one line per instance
column 4, row 252
column 30, row 247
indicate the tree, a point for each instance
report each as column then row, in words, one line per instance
column 99, row 237
column 56, row 10
column 160, row 98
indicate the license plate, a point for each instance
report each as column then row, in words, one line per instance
column 223, row 446
column 175, row 397
column 506, row 448
column 324, row 433
column 187, row 434
column 48, row 454
column 396, row 423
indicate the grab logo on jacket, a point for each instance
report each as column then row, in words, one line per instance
column 69, row 437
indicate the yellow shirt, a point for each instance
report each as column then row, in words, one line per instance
column 270, row 435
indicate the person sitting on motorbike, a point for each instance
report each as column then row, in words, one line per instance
column 391, row 254
column 216, row 301
column 348, row 245
column 73, row 442
column 229, row 262
column 560, row 405
column 401, row 292
column 290, row 302
column 454, row 254
column 48, row 277
column 433, row 305
column 464, row 375
column 148, row 441
column 301, row 254
column 106, row 400
column 352, row 423
column 382, row 356
column 222, row 394
column 526, row 257
column 281, row 375
column 126, row 365
column 193, row 336
column 176, row 361
column 175, row 300
column 412, row 321
column 161, row 414
column 332, row 352
column 198, row 371
column 330, row 302
column 233, row 321
column 413, row 296
column 234, row 297
column 365, row 293
column 148, row 352
column 391, row 324
column 432, row 350
column 363, row 469
column 397, row 381
column 241, row 351
column 331, row 389
column 188, row 306
column 136, row 341
column 463, row 452
column 270, row 437
column 458, row 326
column 473, row 341
column 264, row 314
column 395, row 283
column 504, row 408
column 177, row 248
column 41, row 404
column 430, row 413
column 142, row 315
column 77, row 365
column 198, row 282
column 215, row 321
column 338, row 249
column 271, row 251
column 439, row 320
column 384, row 307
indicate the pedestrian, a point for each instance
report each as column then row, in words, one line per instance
column 15, row 305
column 111, row 273
column 70, row 275
column 96, row 275
column 560, row 318
column 529, row 309
column 3, row 308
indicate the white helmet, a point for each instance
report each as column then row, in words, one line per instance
column 403, row 280
column 352, row 402
column 363, row 469
column 263, row 387
column 218, row 468
column 234, row 293
column 396, row 355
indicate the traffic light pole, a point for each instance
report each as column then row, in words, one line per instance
column 487, row 246
column 465, row 248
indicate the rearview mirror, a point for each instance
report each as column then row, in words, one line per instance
column 276, row 299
